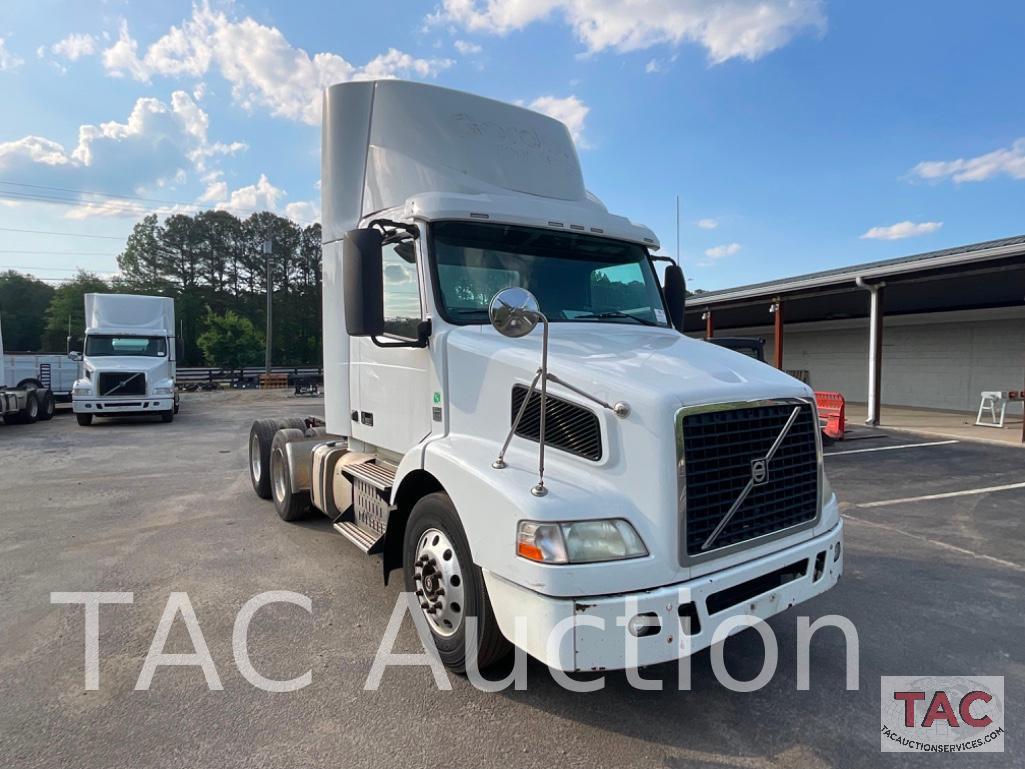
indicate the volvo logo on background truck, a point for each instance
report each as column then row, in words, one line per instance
column 616, row 435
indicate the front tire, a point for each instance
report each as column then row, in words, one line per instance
column 84, row 420
column 167, row 416
column 440, row 571
column 291, row 505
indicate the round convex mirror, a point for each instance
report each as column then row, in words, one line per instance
column 514, row 312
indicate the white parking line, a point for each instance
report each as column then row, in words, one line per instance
column 947, row 495
column 889, row 448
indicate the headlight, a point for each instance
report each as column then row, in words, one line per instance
column 827, row 489
column 579, row 541
column 161, row 390
column 81, row 390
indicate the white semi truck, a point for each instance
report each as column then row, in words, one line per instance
column 25, row 402
column 129, row 358
column 513, row 416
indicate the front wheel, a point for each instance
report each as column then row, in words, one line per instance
column 449, row 587
column 84, row 420
column 167, row 416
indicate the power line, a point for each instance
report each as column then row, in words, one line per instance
column 122, row 202
column 40, row 269
column 63, row 234
column 56, row 253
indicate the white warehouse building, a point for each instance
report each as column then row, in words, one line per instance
column 948, row 325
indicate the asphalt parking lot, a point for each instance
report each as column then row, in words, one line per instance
column 934, row 586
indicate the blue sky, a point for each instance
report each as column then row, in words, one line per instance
column 799, row 135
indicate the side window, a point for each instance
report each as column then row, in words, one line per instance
column 401, row 289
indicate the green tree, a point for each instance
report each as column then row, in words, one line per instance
column 230, row 341
column 23, row 303
column 68, row 303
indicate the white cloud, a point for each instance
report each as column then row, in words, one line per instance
column 467, row 48
column 727, row 29
column 708, row 224
column 652, row 67
column 74, row 47
column 158, row 144
column 262, row 196
column 263, row 68
column 569, row 110
column 716, row 253
column 303, row 212
column 8, row 61
column 901, row 230
column 1006, row 160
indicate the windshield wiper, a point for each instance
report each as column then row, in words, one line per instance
column 468, row 310
column 616, row 314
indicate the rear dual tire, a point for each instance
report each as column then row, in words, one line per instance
column 291, row 505
column 261, row 436
column 28, row 414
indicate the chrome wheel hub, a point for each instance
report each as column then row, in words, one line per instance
column 254, row 457
column 277, row 474
column 439, row 582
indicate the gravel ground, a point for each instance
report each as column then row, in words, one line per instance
column 933, row 586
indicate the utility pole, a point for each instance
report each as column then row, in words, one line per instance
column 268, row 250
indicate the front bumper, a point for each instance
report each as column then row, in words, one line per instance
column 578, row 634
column 140, row 404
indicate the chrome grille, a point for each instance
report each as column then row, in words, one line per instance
column 719, row 445
column 568, row 426
column 122, row 383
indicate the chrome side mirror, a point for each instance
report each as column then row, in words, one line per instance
column 514, row 312
column 75, row 356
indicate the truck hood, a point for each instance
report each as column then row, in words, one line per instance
column 131, row 363
column 619, row 362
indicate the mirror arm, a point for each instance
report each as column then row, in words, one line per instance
column 389, row 229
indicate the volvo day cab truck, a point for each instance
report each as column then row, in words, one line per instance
column 128, row 360
column 26, row 402
column 513, row 417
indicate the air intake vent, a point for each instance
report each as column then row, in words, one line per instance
column 568, row 426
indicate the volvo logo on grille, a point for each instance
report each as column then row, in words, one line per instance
column 759, row 475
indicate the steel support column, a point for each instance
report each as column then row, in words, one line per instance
column 777, row 309
column 875, row 349
column 709, row 325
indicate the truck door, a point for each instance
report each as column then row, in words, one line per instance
column 390, row 386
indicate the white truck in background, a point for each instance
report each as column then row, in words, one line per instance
column 24, row 402
column 129, row 358
column 513, row 416
column 44, row 371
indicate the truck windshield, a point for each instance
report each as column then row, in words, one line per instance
column 149, row 346
column 577, row 278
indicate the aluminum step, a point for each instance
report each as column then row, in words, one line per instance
column 376, row 473
column 367, row 541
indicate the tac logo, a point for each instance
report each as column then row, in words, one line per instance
column 942, row 714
